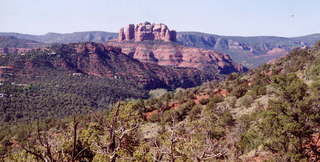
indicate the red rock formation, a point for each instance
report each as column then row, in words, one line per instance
column 277, row 51
column 172, row 54
column 146, row 31
column 108, row 62
column 221, row 92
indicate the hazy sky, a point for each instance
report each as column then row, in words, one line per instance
column 224, row 17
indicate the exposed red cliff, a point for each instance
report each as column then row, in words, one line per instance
column 173, row 54
column 156, row 44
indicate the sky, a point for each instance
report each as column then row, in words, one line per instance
column 287, row 18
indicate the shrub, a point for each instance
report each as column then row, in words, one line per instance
column 232, row 76
column 288, row 120
column 249, row 140
column 297, row 59
column 313, row 71
column 204, row 101
column 195, row 112
column 216, row 99
column 213, row 102
column 292, row 89
column 216, row 132
column 239, row 91
column 283, row 132
column 257, row 91
column 249, row 134
column 156, row 93
column 183, row 109
column 231, row 100
column 155, row 117
column 246, row 101
column 167, row 116
column 226, row 119
column 317, row 45
column 316, row 88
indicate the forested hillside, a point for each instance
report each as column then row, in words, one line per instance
column 67, row 79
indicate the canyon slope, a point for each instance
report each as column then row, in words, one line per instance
column 67, row 79
column 104, row 62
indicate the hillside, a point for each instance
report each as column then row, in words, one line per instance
column 13, row 42
column 268, row 114
column 309, row 39
column 80, row 77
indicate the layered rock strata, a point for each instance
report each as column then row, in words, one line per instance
column 147, row 31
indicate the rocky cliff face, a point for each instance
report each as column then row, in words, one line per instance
column 171, row 54
column 146, row 31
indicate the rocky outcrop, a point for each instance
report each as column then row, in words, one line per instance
column 172, row 54
column 162, row 49
column 146, row 31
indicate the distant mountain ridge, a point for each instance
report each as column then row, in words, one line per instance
column 196, row 37
column 11, row 41
column 91, row 36
column 249, row 51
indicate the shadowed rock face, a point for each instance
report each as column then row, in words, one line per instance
column 172, row 54
column 146, row 31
